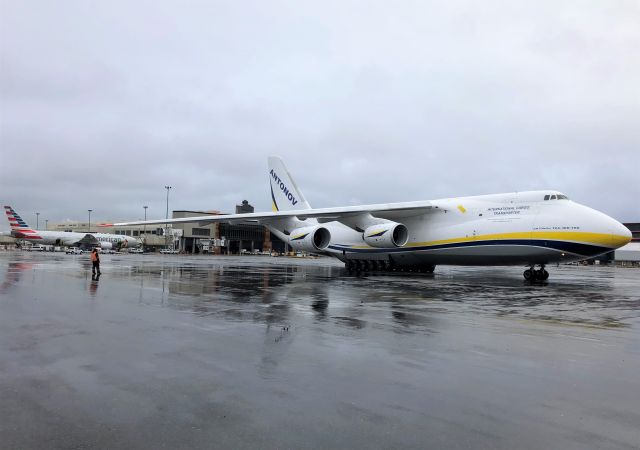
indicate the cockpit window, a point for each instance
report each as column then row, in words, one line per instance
column 556, row 197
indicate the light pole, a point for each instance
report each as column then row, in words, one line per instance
column 144, row 228
column 89, row 220
column 37, row 217
column 166, row 217
column 46, row 224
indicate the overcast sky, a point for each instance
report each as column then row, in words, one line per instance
column 104, row 103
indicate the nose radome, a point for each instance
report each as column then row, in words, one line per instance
column 621, row 235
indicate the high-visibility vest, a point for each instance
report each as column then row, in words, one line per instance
column 94, row 256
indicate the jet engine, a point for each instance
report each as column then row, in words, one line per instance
column 386, row 235
column 106, row 245
column 310, row 239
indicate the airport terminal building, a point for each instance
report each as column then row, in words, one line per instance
column 192, row 238
column 224, row 237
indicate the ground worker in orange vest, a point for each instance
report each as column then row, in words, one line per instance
column 95, row 261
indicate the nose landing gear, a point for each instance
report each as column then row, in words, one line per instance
column 532, row 274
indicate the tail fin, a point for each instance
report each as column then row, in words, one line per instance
column 15, row 221
column 285, row 194
column 19, row 227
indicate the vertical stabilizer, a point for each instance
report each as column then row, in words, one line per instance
column 15, row 221
column 285, row 195
column 19, row 227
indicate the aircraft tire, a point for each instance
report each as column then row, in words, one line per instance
column 528, row 274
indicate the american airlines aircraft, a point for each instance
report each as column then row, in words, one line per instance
column 20, row 230
column 532, row 228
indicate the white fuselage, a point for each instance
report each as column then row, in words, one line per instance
column 70, row 238
column 500, row 229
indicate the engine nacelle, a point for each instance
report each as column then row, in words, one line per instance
column 386, row 235
column 106, row 245
column 310, row 239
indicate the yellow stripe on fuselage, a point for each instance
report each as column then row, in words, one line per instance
column 604, row 239
column 601, row 239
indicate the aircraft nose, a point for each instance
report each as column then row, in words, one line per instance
column 621, row 234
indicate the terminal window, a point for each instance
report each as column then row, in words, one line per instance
column 201, row 231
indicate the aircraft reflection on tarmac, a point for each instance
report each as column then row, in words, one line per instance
column 269, row 293
column 14, row 273
column 332, row 293
column 256, row 290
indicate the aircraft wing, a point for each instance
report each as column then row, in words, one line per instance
column 390, row 211
column 88, row 239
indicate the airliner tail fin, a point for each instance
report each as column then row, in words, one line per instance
column 285, row 194
column 15, row 221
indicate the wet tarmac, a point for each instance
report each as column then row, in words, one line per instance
column 259, row 352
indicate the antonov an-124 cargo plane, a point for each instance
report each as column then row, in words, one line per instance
column 532, row 228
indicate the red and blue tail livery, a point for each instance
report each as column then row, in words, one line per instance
column 19, row 228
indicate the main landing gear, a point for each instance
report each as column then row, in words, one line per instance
column 532, row 274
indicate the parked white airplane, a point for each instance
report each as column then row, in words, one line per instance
column 20, row 230
column 532, row 228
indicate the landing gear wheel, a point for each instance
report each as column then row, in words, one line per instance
column 536, row 275
column 544, row 275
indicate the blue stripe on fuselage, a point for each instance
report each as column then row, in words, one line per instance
column 570, row 247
